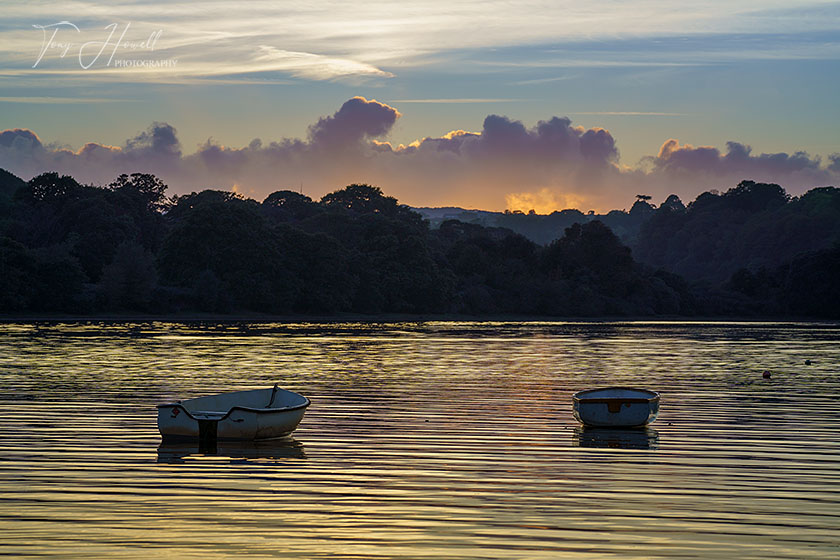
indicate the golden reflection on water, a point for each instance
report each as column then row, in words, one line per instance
column 448, row 440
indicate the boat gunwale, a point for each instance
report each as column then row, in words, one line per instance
column 580, row 396
column 237, row 407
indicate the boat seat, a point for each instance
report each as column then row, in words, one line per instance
column 207, row 414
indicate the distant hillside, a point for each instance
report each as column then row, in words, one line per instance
column 545, row 228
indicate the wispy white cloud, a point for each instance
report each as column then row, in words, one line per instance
column 571, row 62
column 457, row 100
column 62, row 100
column 336, row 39
column 629, row 113
column 314, row 66
column 543, row 80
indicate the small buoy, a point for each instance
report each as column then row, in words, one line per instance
column 807, row 362
column 766, row 374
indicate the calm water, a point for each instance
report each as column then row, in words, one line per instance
column 428, row 440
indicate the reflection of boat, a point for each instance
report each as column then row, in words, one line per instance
column 242, row 415
column 617, row 438
column 616, row 407
column 177, row 451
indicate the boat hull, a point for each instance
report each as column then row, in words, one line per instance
column 220, row 417
column 616, row 407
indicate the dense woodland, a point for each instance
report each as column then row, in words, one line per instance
column 128, row 248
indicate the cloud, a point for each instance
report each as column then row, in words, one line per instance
column 629, row 113
column 554, row 142
column 160, row 139
column 62, row 100
column 357, row 120
column 223, row 39
column 551, row 165
column 457, row 100
column 20, row 139
column 835, row 163
column 314, row 66
column 677, row 160
column 22, row 152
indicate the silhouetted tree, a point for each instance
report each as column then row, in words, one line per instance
column 128, row 282
column 289, row 206
column 57, row 280
column 49, row 186
column 18, row 269
column 751, row 226
column 811, row 284
column 361, row 199
column 183, row 204
column 151, row 189
column 673, row 203
column 229, row 237
column 88, row 221
column 750, row 196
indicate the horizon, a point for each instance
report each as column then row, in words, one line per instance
column 584, row 107
column 639, row 198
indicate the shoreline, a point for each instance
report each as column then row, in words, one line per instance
column 387, row 318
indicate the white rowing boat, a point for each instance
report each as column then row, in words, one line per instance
column 241, row 415
column 616, row 407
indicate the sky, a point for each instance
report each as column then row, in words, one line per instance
column 491, row 105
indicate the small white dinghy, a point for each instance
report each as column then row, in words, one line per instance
column 242, row 415
column 616, row 407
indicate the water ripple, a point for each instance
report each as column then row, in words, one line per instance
column 449, row 440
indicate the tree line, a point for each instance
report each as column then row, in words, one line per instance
column 128, row 247
column 752, row 249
